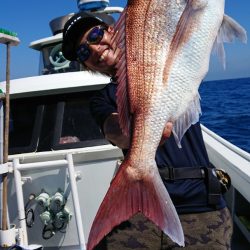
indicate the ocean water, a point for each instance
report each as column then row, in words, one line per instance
column 225, row 109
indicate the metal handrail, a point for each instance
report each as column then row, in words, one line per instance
column 226, row 143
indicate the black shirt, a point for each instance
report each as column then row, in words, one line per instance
column 188, row 195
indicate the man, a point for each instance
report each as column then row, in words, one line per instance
column 186, row 172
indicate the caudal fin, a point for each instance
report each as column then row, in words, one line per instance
column 127, row 197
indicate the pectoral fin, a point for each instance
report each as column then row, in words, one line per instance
column 189, row 117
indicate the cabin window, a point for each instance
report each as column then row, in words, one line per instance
column 25, row 126
column 75, row 125
column 53, row 122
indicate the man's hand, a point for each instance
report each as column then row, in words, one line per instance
column 113, row 132
column 166, row 132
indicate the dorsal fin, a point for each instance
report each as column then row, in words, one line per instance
column 122, row 93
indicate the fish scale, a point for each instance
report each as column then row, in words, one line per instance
column 187, row 79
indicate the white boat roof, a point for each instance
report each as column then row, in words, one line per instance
column 38, row 44
column 55, row 84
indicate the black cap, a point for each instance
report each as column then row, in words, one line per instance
column 75, row 28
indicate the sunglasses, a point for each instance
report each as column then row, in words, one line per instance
column 94, row 37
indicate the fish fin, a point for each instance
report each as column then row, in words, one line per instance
column 122, row 95
column 127, row 197
column 228, row 32
column 189, row 117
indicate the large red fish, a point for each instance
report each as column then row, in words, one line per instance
column 166, row 46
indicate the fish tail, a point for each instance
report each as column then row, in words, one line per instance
column 127, row 197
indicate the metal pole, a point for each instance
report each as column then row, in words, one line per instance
column 1, row 131
column 6, row 139
column 20, row 203
column 42, row 165
column 76, row 202
column 1, row 156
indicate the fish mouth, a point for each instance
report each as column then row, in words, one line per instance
column 104, row 55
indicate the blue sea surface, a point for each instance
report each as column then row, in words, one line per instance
column 225, row 109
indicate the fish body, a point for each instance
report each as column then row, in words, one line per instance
column 166, row 46
column 173, row 43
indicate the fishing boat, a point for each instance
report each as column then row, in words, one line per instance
column 60, row 165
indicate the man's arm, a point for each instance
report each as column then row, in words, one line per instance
column 113, row 132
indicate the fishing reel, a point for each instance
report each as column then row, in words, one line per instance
column 224, row 179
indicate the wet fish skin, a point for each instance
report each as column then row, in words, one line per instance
column 176, row 59
column 167, row 51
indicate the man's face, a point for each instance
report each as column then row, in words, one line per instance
column 103, row 55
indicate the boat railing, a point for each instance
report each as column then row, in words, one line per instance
column 68, row 162
column 227, row 144
column 232, row 159
column 236, row 162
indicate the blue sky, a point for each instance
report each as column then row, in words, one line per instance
column 30, row 19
